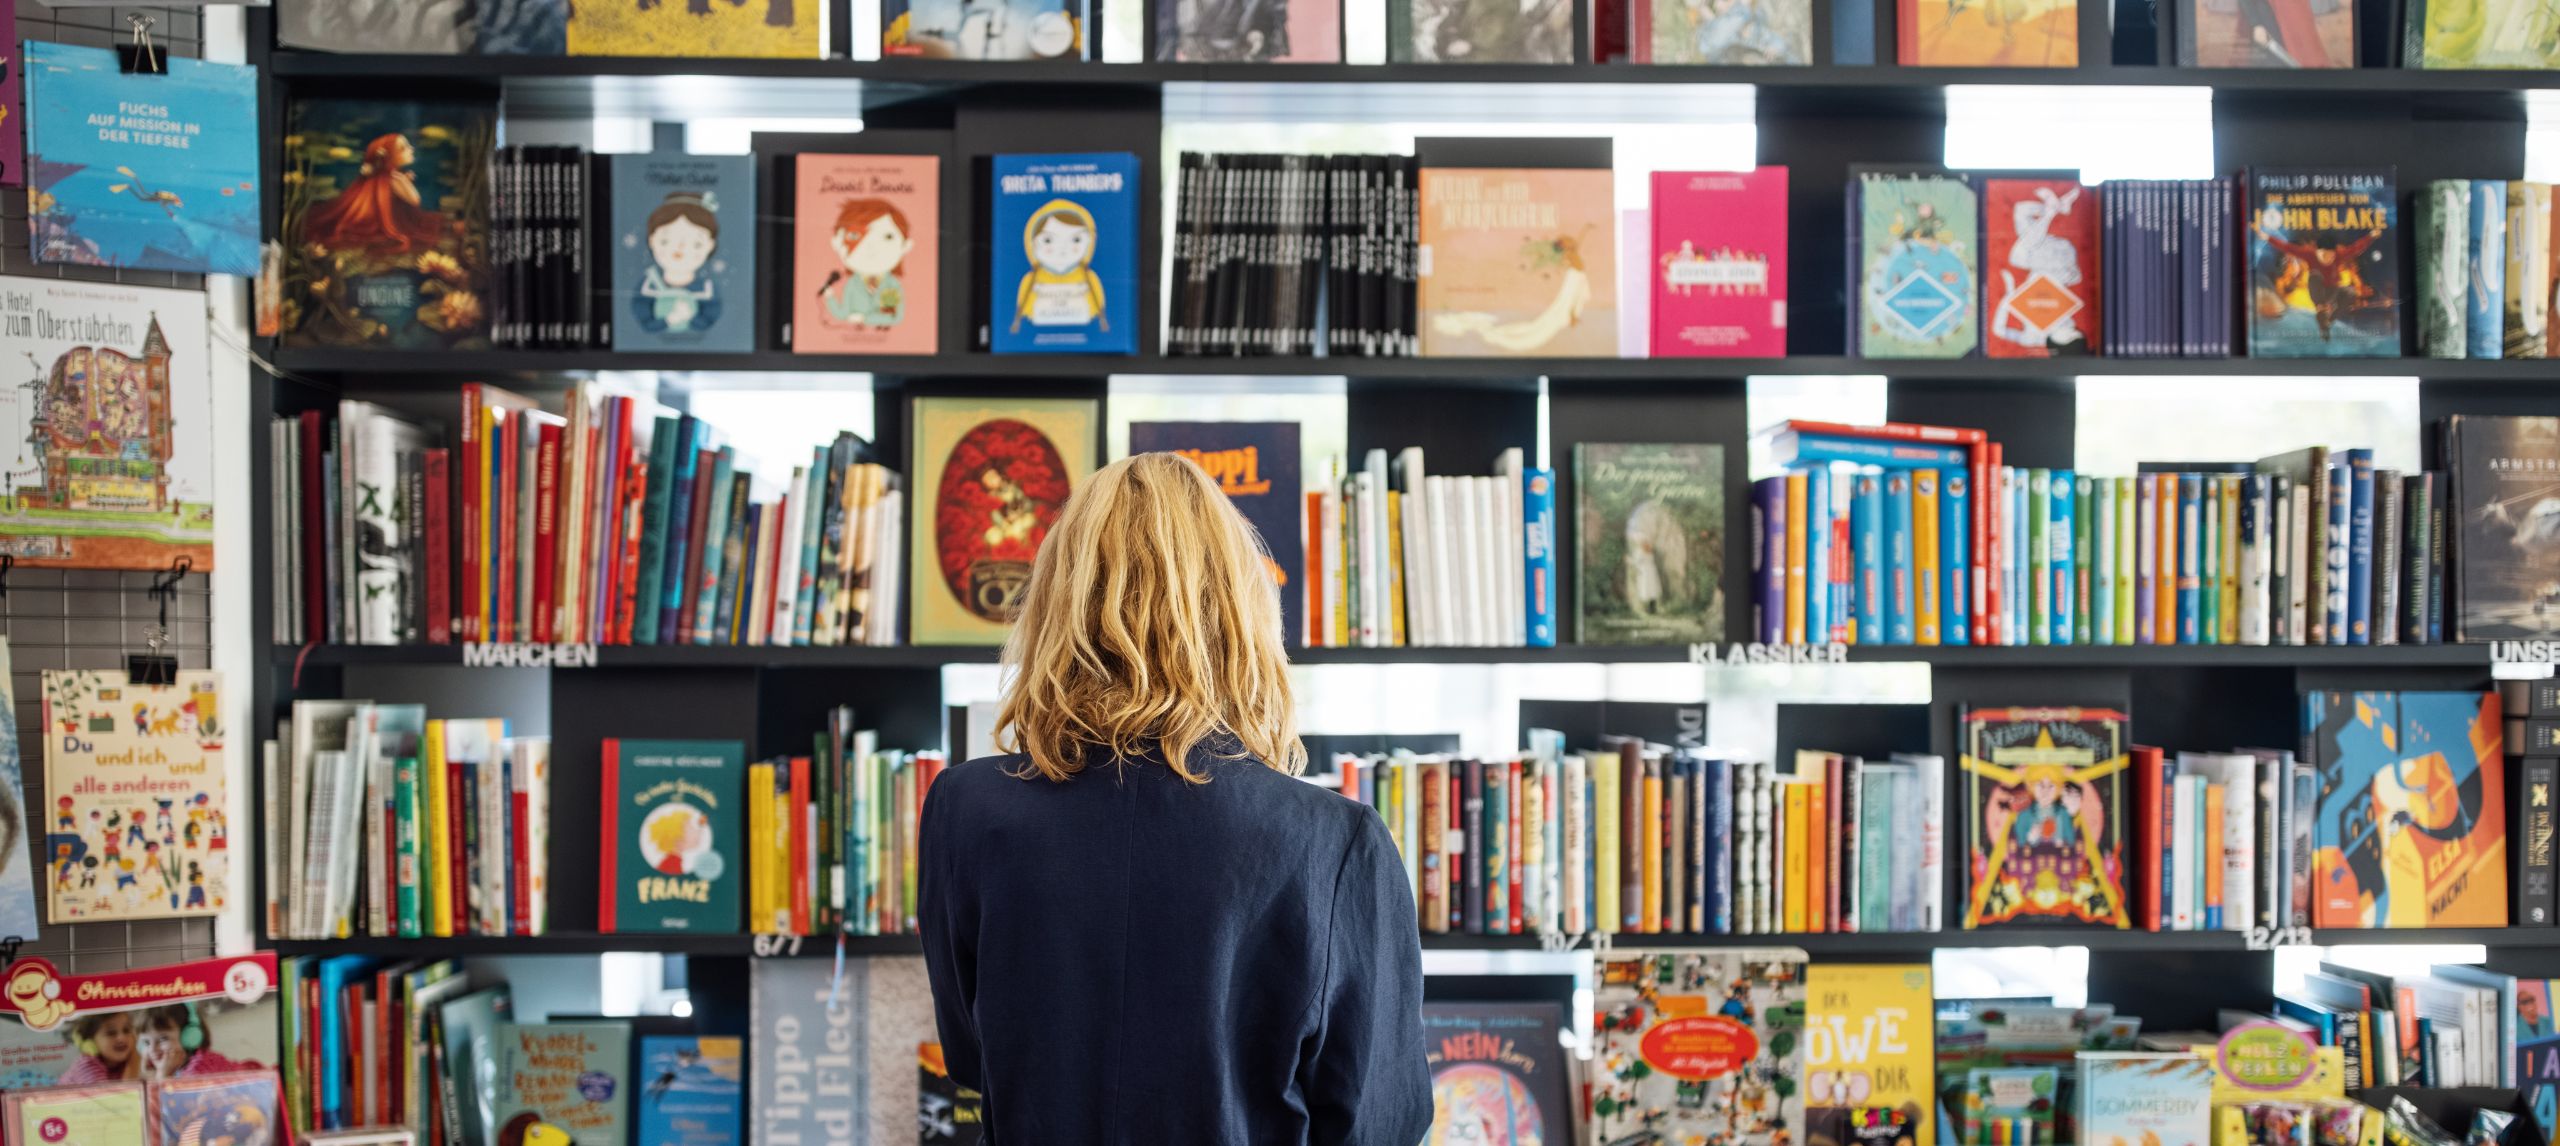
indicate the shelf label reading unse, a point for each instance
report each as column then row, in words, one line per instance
column 487, row 655
column 1754, row 653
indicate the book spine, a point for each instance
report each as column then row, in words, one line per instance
column 1768, row 560
column 2040, row 552
column 1476, row 850
column 2419, row 510
column 2535, row 906
column 2191, row 535
column 1925, row 552
column 1955, row 556
column 2146, row 558
column 1538, row 581
column 2062, row 562
column 1798, row 497
column 1900, row 616
column 1867, row 534
column 2210, row 859
column 1817, row 554
column 2097, row 502
column 2254, row 569
column 2227, row 558
column 2360, row 537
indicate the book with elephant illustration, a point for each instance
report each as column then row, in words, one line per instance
column 1650, row 520
column 1518, row 261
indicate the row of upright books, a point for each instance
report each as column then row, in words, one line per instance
column 2485, row 269
column 1273, row 254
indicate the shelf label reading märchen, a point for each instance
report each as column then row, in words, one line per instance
column 484, row 654
column 1755, row 653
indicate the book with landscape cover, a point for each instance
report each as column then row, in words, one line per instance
column 1720, row 263
column 1257, row 465
column 984, row 29
column 674, row 836
column 684, row 253
column 2046, row 831
column 1518, row 262
column 866, row 254
column 1498, row 1072
column 1915, row 239
column 1649, row 553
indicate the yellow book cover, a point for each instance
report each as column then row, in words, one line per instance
column 1868, row 1031
column 438, row 863
column 1652, row 810
column 2227, row 572
column 1604, row 826
column 1792, row 865
column 1518, row 262
column 1796, row 508
column 1395, row 568
column 778, row 846
column 1999, row 33
column 991, row 476
column 1925, row 586
column 760, row 859
column 738, row 29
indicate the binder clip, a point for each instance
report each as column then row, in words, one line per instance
column 8, row 561
column 152, row 666
column 141, row 56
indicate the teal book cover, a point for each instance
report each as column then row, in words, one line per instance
column 567, row 1084
column 1917, row 249
column 385, row 220
column 663, row 442
column 2130, row 1099
column 471, row 1025
column 692, row 1091
column 141, row 172
column 684, row 252
column 672, row 819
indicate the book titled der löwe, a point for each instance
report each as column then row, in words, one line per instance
column 672, row 857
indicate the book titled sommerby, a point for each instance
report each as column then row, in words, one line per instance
column 672, row 830
column 1065, row 279
column 2138, row 1099
column 1720, row 263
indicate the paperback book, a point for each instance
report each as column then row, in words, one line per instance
column 145, row 172
column 1237, row 31
column 1065, row 278
column 1719, row 272
column 1915, row 241
column 2045, row 821
column 999, row 473
column 1498, row 1072
column 2505, row 482
column 2323, row 264
column 692, row 1091
column 1518, row 263
column 866, row 254
column 387, row 224
column 568, row 1083
column 1649, row 519
column 677, row 285
column 673, row 832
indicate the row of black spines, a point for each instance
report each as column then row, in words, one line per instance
column 2166, row 265
column 539, row 249
column 1278, row 254
column 2532, row 710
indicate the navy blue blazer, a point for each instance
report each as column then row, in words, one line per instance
column 1125, row 959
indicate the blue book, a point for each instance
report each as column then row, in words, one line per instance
column 679, row 515
column 1717, row 775
column 1901, row 611
column 2485, row 327
column 2100, row 507
column 1866, row 532
column 691, row 1091
column 2064, row 504
column 161, row 173
column 1538, row 531
column 1065, row 278
column 2190, row 555
column 2334, row 606
column 684, row 253
column 1496, row 857
column 1955, row 548
column 2360, row 547
column 335, row 973
column 1817, row 553
column 1796, row 448
column 1769, row 560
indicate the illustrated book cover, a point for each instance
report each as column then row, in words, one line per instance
column 2504, row 563
column 692, row 1091
column 240, row 1107
column 947, row 1113
column 565, row 1083
column 1518, row 263
column 1498, row 1073
column 1065, row 233
column 13, row 107
column 138, row 828
column 386, row 224
column 113, row 466
column 154, row 173
column 2045, row 833
column 2482, row 34
column 1915, row 239
column 1648, row 543
column 1239, row 31
column 2324, row 278
column 2444, row 269
column 674, row 833
column 1257, row 465
column 2266, row 33
column 1996, row 33
column 984, row 29
column 387, row 27
column 1698, row 1044
column 759, row 29
column 1868, row 1046
column 2131, row 1098
column 1458, row 32
column 866, row 253
column 990, row 478
column 17, row 886
column 1733, row 33
column 2411, row 825
column 2039, row 268
column 1720, row 263
column 684, row 253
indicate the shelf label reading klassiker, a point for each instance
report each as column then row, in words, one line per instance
column 518, row 655
column 1755, row 653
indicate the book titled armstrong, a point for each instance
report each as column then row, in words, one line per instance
column 2506, row 557
column 2324, row 270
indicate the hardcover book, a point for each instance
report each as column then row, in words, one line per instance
column 17, row 886
column 140, row 172
column 1728, row 32
column 678, row 283
column 522, row 28
column 2044, row 816
column 2040, row 268
column 692, row 1091
column 997, row 474
column 470, row 1025
column 2266, row 34
column 117, row 749
column 2444, row 269
column 1256, row 464
column 984, row 29
column 1065, row 279
column 947, row 1113
column 1457, row 32
column 1518, row 263
column 765, row 29
column 1720, row 263
column 1235, row 31
column 2004, row 34
column 2144, row 1099
column 387, row 27
column 2506, row 484
column 1694, row 1044
column 238, row 1107
column 674, row 835
column 108, row 1113
column 866, row 253
column 2411, row 830
column 1649, row 563
column 386, row 224
column 1914, row 238
column 565, row 1083
column 1869, row 1048
column 2486, row 34
column 1498, row 1072
column 2323, row 269
column 13, row 108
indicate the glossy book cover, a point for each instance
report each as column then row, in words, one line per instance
column 1457, row 32
column 2505, row 493
column 692, row 1091
column 242, row 1108
column 2268, row 33
column 2040, row 268
column 991, row 478
column 1650, row 563
column 2045, row 819
column 388, row 27
column 1257, row 465
column 676, row 833
column 984, row 29
column 137, row 828
column 866, row 253
column 1518, row 263
column 1250, row 31
column 1868, row 1045
column 386, row 224
column 1916, row 250
column 564, row 1083
column 1720, row 263
column 1498, row 1074
column 108, row 1114
column 2411, row 827
column 684, row 253
column 1988, row 33
column 1734, row 33
column 2515, row 34
column 1065, row 279
column 1699, row 1044
column 771, row 29
column 2323, row 268
column 141, row 172
column 2136, row 1099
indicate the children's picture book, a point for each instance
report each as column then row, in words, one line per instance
column 113, row 468
column 106, row 1113
column 1237, row 31
column 1065, row 279
column 1734, row 33
column 522, row 27
column 997, row 473
column 866, row 253
column 947, row 1113
column 1720, row 263
column 153, row 1023
column 1257, row 465
column 471, row 1025
column 760, row 29
column 2411, row 825
column 2039, row 268
column 678, row 283
column 673, row 830
column 141, row 172
column 2324, row 279
column 1868, row 1049
column 984, row 29
column 13, row 108
column 566, row 1083
column 692, row 1091
column 17, row 887
column 1988, row 33
column 2045, row 821
column 2009, row 1104
column 2537, row 1028
column 2504, row 470
column 1518, row 263
column 1649, row 543
column 2487, row 34
column 244, row 1108
column 1694, row 1045
column 2130, row 1098
column 1498, row 1072
column 387, row 27
column 2267, row 33
column 386, row 224
column 1458, row 32
column 139, row 826
column 1914, row 234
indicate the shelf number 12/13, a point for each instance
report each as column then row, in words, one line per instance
column 2270, row 938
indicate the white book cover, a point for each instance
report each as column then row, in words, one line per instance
column 1469, row 568
column 2298, row 586
column 2255, row 565
column 893, row 579
column 795, row 502
column 1512, row 558
column 1932, row 773
column 1577, row 889
column 2237, row 773
column 1409, row 781
column 1772, row 892
column 318, row 726
column 1374, row 543
column 1448, row 563
column 2185, row 804
column 489, row 904
column 1491, row 543
column 1421, row 624
column 533, row 782
column 320, row 861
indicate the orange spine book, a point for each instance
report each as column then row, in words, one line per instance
column 1316, row 617
column 1791, row 863
column 1797, row 492
column 2164, row 579
column 2212, row 857
column 1432, row 902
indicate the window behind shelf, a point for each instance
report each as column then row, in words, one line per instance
column 2292, row 963
column 2126, row 420
column 2101, row 132
column 1856, row 399
column 776, row 424
column 2542, row 136
column 2058, row 973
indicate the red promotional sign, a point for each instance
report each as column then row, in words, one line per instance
column 1699, row 1049
column 40, row 993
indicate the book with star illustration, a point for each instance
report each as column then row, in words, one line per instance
column 1915, row 238
column 2045, row 822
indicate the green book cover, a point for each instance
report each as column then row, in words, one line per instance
column 470, row 1030
column 1876, row 803
column 2127, row 544
column 653, row 530
column 2039, row 557
column 803, row 581
column 715, row 532
column 2444, row 269
column 2084, row 555
column 564, row 1082
column 2209, row 565
column 1649, row 568
column 674, row 824
column 405, row 811
column 1917, row 250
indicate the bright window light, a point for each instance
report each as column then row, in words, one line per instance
column 2541, row 136
column 1857, row 399
column 2125, row 420
column 734, row 135
column 2101, row 132
column 2394, row 959
column 2057, row 973
column 777, row 428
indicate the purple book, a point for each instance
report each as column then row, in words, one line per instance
column 13, row 109
column 1769, row 560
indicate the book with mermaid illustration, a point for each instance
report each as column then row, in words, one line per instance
column 386, row 224
column 1517, row 262
column 684, row 253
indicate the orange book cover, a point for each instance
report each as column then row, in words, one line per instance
column 1791, row 866
column 1988, row 33
column 2164, row 579
column 864, row 254
column 797, row 829
column 1518, row 263
column 1319, row 622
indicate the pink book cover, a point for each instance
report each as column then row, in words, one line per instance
column 1720, row 264
column 1518, row 263
column 864, row 254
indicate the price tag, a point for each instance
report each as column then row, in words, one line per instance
column 777, row 946
column 2270, row 938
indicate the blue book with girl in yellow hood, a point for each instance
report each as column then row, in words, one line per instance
column 1065, row 235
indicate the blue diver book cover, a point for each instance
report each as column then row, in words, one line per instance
column 142, row 172
column 1065, row 279
column 684, row 253
column 693, row 1091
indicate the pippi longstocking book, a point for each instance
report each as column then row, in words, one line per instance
column 1696, row 1046
column 2044, row 816
column 1066, row 254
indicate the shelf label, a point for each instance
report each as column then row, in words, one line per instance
column 2524, row 652
column 2270, row 938
column 519, row 655
column 1754, row 653
column 776, row 946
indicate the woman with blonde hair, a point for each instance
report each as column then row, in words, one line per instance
column 1141, row 928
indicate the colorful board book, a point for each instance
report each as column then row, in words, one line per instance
column 997, row 474
column 2045, row 822
column 567, row 1083
column 866, row 254
column 2324, row 279
column 2411, row 830
column 684, row 253
column 1498, row 1072
column 674, row 835
column 112, row 747
column 1651, row 560
column 1518, row 262
column 1915, row 240
column 1689, row 1033
column 1719, row 273
column 386, row 229
column 1065, row 277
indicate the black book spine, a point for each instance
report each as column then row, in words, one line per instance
column 1185, row 220
column 508, row 206
column 1408, row 255
column 544, row 212
column 1472, row 861
column 2535, row 904
column 1220, row 193
column 1337, row 255
column 1310, row 251
column 582, row 252
column 1244, row 319
column 1373, row 209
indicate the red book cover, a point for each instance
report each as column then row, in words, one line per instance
column 475, row 471
column 1832, row 824
column 546, row 530
column 315, row 549
column 386, row 1064
column 616, row 504
column 2039, row 268
column 2148, row 847
column 798, row 873
column 1319, row 621
column 509, row 467
column 591, row 555
column 519, row 813
column 1719, row 268
column 1455, row 806
column 609, row 829
column 1518, row 912
column 635, row 492
column 1895, row 431
column 687, row 599
column 457, row 874
column 1994, row 501
column 437, row 465
column 1979, row 508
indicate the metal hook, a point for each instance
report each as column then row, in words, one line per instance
column 154, row 666
column 164, row 588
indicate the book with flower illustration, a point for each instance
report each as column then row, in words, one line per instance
column 136, row 828
column 385, row 223
column 673, row 832
column 684, row 253
column 865, row 254
column 1518, row 255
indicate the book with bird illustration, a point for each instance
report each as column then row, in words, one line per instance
column 2045, row 822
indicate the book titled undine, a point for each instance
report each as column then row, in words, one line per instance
column 997, row 473
column 136, row 829
column 1649, row 553
column 673, row 835
column 1518, row 263
column 1915, row 240
column 386, row 224
column 2044, row 817
column 1256, row 465
column 1719, row 270
column 2039, row 268
column 866, row 252
column 684, row 252
column 2324, row 270
column 1065, row 279
column 1498, row 1072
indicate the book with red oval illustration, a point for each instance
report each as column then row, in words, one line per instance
column 1698, row 1045
column 991, row 475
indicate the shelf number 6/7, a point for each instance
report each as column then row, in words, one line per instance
column 771, row 946
column 2270, row 938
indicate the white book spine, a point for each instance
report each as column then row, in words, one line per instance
column 2239, row 843
column 1418, row 553
column 1409, row 782
column 1491, row 618
column 1512, row 557
column 2184, row 807
column 1448, row 563
column 2255, row 564
column 1932, row 771
column 1577, row 889
column 320, row 846
column 2298, row 587
column 1470, row 522
column 1382, row 563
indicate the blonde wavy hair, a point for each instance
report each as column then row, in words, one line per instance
column 1150, row 621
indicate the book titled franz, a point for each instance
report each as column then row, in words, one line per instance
column 672, row 827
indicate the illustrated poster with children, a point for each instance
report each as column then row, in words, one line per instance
column 684, row 253
column 136, row 826
column 865, row 253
